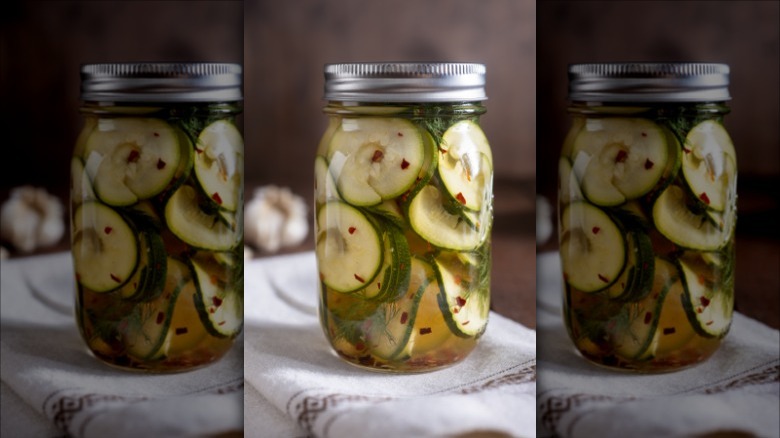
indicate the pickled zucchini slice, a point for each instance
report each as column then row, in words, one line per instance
column 675, row 220
column 465, row 164
column 619, row 159
column 129, row 159
column 348, row 246
column 393, row 278
column 464, row 303
column 593, row 249
column 636, row 280
column 148, row 280
column 219, row 163
column 219, row 303
column 413, row 325
column 430, row 219
column 145, row 329
column 709, row 164
column 633, row 329
column 708, row 306
column 105, row 249
column 190, row 223
column 373, row 159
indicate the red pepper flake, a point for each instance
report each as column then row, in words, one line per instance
column 115, row 278
column 649, row 164
column 214, row 279
column 378, row 155
column 161, row 164
column 709, row 323
column 461, row 198
column 699, row 310
column 595, row 230
column 648, row 317
column 155, row 134
column 686, row 150
column 700, row 278
column 108, row 230
column 425, row 330
column 644, row 134
column 322, row 276
column 669, row 330
column 461, row 302
column 221, row 323
column 199, row 151
column 217, row 301
column 352, row 230
column 400, row 134
column 465, row 323
column 359, row 278
column 603, row 278
column 360, row 345
column 217, row 198
column 704, row 301
column 134, row 156
column 705, row 198
column 458, row 280
column 456, row 310
column 404, row 164
column 621, row 157
column 404, row 317
column 379, row 285
column 181, row 330
column 160, row 318
column 212, row 310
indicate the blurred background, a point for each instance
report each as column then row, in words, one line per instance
column 743, row 34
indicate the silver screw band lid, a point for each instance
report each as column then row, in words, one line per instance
column 405, row 82
column 161, row 82
column 649, row 82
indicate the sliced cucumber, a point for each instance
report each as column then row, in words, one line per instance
column 220, row 305
column 373, row 159
column 324, row 184
column 593, row 249
column 219, row 163
column 619, row 159
column 708, row 306
column 434, row 223
column 633, row 329
column 145, row 329
column 709, row 164
column 129, row 159
column 148, row 280
column 187, row 220
column 465, row 164
column 678, row 223
column 464, row 303
column 349, row 248
column 105, row 249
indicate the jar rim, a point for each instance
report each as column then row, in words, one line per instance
column 649, row 82
column 161, row 82
column 405, row 82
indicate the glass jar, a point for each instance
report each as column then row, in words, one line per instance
column 403, row 213
column 647, row 213
column 157, row 214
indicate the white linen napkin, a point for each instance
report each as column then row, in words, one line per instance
column 736, row 391
column 298, row 387
column 51, row 385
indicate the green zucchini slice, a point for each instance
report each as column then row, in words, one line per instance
column 374, row 159
column 105, row 248
column 431, row 220
column 348, row 246
column 464, row 303
column 708, row 306
column 593, row 248
column 190, row 223
column 130, row 159
column 619, row 159
column 219, row 163
column 219, row 303
column 675, row 220
column 709, row 164
column 465, row 164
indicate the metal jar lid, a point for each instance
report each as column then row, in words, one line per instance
column 649, row 82
column 405, row 82
column 161, row 82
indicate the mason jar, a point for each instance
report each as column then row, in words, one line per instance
column 403, row 214
column 647, row 214
column 157, row 214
